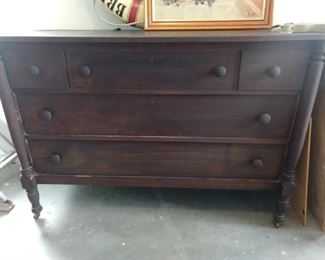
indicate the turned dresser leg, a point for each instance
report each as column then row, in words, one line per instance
column 29, row 183
column 288, row 184
column 303, row 115
column 28, row 175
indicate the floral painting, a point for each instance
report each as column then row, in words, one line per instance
column 207, row 10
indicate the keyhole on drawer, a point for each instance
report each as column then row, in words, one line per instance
column 152, row 101
column 151, row 59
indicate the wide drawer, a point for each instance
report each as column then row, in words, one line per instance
column 158, row 115
column 273, row 69
column 157, row 159
column 153, row 68
column 41, row 68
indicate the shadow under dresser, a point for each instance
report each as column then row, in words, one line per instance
column 216, row 110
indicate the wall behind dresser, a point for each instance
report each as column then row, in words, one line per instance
column 80, row 14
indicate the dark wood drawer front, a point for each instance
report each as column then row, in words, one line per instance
column 156, row 159
column 36, row 69
column 273, row 70
column 153, row 69
column 155, row 115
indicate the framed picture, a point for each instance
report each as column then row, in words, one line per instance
column 207, row 14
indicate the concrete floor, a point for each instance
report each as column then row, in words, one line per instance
column 80, row 222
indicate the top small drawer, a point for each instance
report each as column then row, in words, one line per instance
column 153, row 68
column 36, row 68
column 273, row 69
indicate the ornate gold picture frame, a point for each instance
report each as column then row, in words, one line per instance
column 207, row 14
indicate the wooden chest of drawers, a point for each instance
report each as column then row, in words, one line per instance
column 222, row 110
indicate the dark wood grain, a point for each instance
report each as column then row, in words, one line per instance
column 179, row 92
column 40, row 68
column 161, row 182
column 109, row 36
column 212, row 109
column 155, row 115
column 183, row 68
column 156, row 159
column 176, row 139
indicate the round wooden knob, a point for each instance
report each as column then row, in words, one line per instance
column 220, row 71
column 46, row 114
column 265, row 118
column 257, row 163
column 55, row 158
column 35, row 70
column 85, row 71
column 274, row 72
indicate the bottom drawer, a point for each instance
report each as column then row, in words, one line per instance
column 124, row 158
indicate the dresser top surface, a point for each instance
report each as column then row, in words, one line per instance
column 156, row 36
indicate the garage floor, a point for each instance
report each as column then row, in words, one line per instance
column 80, row 222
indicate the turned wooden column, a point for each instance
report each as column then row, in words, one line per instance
column 28, row 175
column 309, row 93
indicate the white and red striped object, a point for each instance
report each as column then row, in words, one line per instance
column 130, row 11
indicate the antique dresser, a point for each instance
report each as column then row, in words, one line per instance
column 216, row 110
